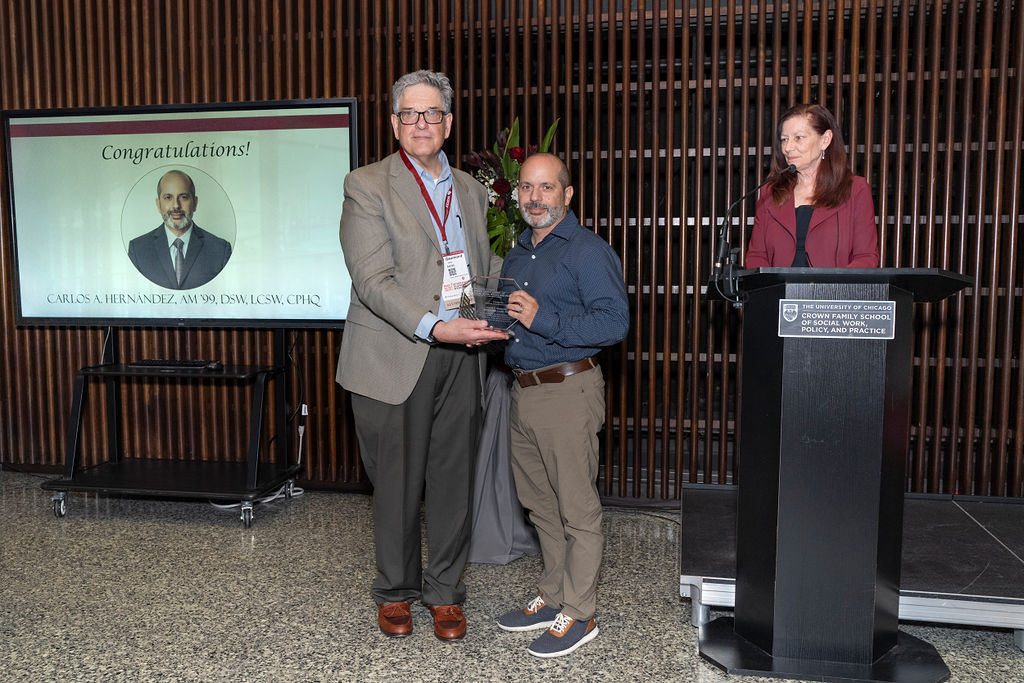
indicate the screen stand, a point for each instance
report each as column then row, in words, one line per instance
column 111, row 355
column 247, row 480
column 111, row 351
column 280, row 348
column 282, row 410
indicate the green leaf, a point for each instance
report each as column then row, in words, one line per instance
column 513, row 134
column 503, row 228
column 549, row 137
column 509, row 166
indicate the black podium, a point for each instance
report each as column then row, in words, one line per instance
column 825, row 421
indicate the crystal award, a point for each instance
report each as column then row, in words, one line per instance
column 486, row 298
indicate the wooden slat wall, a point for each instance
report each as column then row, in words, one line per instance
column 668, row 112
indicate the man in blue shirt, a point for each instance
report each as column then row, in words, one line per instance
column 572, row 302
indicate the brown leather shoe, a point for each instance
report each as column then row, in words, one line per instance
column 394, row 619
column 449, row 623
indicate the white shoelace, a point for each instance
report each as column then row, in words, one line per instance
column 562, row 624
column 535, row 605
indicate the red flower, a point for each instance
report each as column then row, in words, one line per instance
column 517, row 153
column 500, row 203
column 501, row 186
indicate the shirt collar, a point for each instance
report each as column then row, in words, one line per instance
column 428, row 179
column 563, row 230
column 184, row 238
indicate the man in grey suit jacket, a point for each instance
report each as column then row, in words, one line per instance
column 178, row 254
column 411, row 364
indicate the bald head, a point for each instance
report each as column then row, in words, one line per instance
column 544, row 192
column 543, row 157
column 176, row 201
column 177, row 175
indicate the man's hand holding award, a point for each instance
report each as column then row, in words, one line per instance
column 487, row 298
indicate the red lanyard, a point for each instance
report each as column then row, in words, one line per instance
column 429, row 201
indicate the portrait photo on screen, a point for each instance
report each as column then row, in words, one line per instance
column 207, row 215
column 195, row 230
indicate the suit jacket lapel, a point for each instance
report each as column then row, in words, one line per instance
column 195, row 245
column 162, row 255
column 785, row 215
column 472, row 228
column 820, row 215
column 405, row 187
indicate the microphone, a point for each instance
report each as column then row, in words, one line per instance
column 723, row 227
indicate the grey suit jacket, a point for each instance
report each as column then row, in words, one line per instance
column 391, row 250
column 206, row 256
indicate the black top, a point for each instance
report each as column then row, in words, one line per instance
column 803, row 220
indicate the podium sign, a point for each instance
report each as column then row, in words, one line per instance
column 837, row 319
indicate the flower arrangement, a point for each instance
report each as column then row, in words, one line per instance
column 498, row 170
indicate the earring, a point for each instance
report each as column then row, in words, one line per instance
column 822, row 155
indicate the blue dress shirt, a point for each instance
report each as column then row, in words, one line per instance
column 437, row 189
column 576, row 278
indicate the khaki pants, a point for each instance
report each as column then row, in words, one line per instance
column 555, row 459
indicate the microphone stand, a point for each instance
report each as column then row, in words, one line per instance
column 723, row 275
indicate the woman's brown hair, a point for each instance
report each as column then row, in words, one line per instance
column 832, row 183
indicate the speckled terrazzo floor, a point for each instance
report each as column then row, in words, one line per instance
column 160, row 590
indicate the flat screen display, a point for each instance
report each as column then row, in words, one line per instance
column 208, row 216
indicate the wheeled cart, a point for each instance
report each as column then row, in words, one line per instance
column 245, row 481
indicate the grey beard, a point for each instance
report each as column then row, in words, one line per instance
column 169, row 224
column 555, row 214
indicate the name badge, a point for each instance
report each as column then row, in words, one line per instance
column 456, row 275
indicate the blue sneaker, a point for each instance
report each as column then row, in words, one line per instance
column 536, row 615
column 564, row 636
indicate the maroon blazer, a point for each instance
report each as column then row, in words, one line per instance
column 844, row 236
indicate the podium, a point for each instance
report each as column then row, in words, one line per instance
column 826, row 397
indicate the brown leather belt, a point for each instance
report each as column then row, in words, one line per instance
column 526, row 378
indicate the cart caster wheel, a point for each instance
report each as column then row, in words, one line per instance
column 60, row 506
column 247, row 517
column 289, row 488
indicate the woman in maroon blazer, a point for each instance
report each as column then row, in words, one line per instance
column 820, row 215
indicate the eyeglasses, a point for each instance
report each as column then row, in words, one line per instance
column 409, row 117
